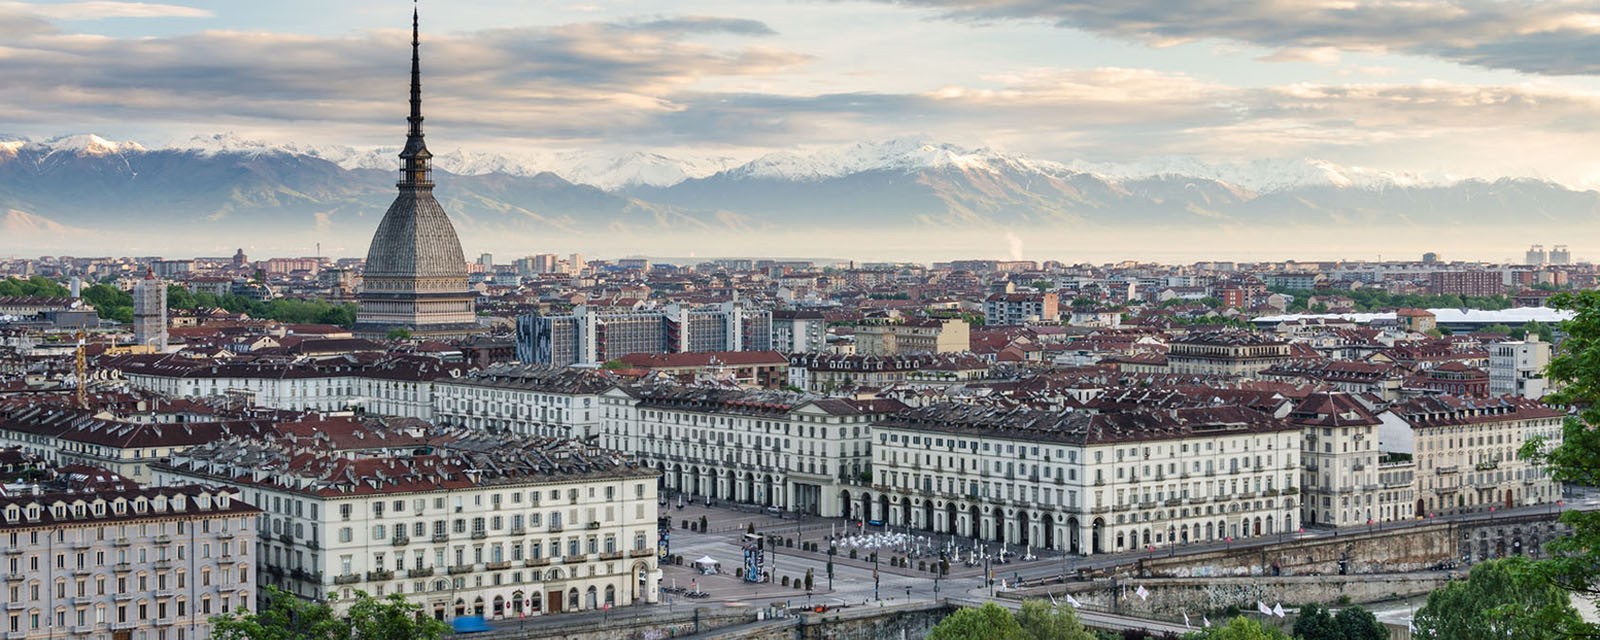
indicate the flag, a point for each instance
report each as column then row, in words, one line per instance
column 1186, row 620
column 1073, row 601
column 1277, row 609
column 1144, row 594
column 1205, row 622
column 1262, row 607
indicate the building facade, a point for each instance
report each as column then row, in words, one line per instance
column 459, row 522
column 1083, row 482
column 1013, row 309
column 1341, row 460
column 796, row 452
column 150, row 314
column 1466, row 452
column 528, row 400
column 125, row 563
column 1226, row 353
column 591, row 337
column 799, row 331
column 913, row 337
column 1516, row 368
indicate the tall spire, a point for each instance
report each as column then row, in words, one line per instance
column 416, row 172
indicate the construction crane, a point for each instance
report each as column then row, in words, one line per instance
column 81, row 370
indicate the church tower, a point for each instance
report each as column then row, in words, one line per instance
column 150, row 313
column 416, row 275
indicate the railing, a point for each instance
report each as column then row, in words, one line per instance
column 441, row 537
column 611, row 555
column 380, row 575
column 400, row 541
column 425, row 572
column 479, row 534
column 348, row 578
column 1487, row 466
column 459, row 569
column 496, row 566
column 594, row 525
column 641, row 553
column 536, row 562
column 572, row 559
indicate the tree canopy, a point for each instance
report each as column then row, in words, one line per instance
column 1239, row 628
column 1042, row 621
column 988, row 622
column 35, row 286
column 1351, row 623
column 1573, row 561
column 1503, row 598
column 287, row 617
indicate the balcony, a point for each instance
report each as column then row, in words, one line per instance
column 641, row 553
column 82, row 571
column 160, row 593
column 379, row 576
column 286, row 538
column 312, row 544
column 497, row 566
column 163, row 539
column 459, row 569
column 122, row 596
column 518, row 531
column 556, row 528
column 14, row 577
column 163, row 622
column 1487, row 466
column 1447, row 470
column 400, row 541
column 81, row 545
column 122, row 542
column 441, row 537
column 122, row 567
column 479, row 534
column 594, row 525
column 572, row 559
column 1173, row 502
column 348, row 578
column 306, row 576
column 164, row 563
column 426, row 572
column 124, row 625
column 611, row 555
column 225, row 535
column 1289, row 491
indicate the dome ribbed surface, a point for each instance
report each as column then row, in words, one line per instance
column 416, row 239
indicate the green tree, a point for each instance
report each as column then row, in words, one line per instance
column 1314, row 623
column 110, row 302
column 392, row 618
column 1495, row 328
column 35, row 286
column 1356, row 623
column 1573, row 561
column 1241, row 628
column 398, row 333
column 1503, row 598
column 284, row 617
column 988, row 622
column 178, row 297
column 1041, row 621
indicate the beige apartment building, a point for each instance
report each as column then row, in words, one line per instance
column 152, row 563
column 913, row 336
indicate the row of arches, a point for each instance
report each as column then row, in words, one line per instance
column 1046, row 530
column 764, row 489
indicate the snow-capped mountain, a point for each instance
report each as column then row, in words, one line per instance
column 225, row 185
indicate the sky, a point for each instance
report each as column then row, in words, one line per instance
column 1460, row 88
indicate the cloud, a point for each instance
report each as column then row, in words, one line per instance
column 575, row 80
column 1556, row 37
column 102, row 9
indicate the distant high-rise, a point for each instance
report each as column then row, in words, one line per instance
column 416, row 275
column 1560, row 255
column 150, row 313
column 1430, row 258
column 1535, row 255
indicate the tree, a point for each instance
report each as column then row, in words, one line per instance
column 1356, row 623
column 285, row 617
column 1503, row 598
column 392, row 618
column 1041, row 621
column 988, row 622
column 1314, row 623
column 178, row 297
column 1242, row 628
column 398, row 333
column 1573, row 561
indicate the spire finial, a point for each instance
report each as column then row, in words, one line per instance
column 415, row 173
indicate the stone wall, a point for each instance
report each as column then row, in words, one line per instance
column 657, row 623
column 1170, row 598
column 901, row 622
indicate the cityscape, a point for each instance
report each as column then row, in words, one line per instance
column 759, row 388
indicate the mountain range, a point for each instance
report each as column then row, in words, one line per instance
column 61, row 191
